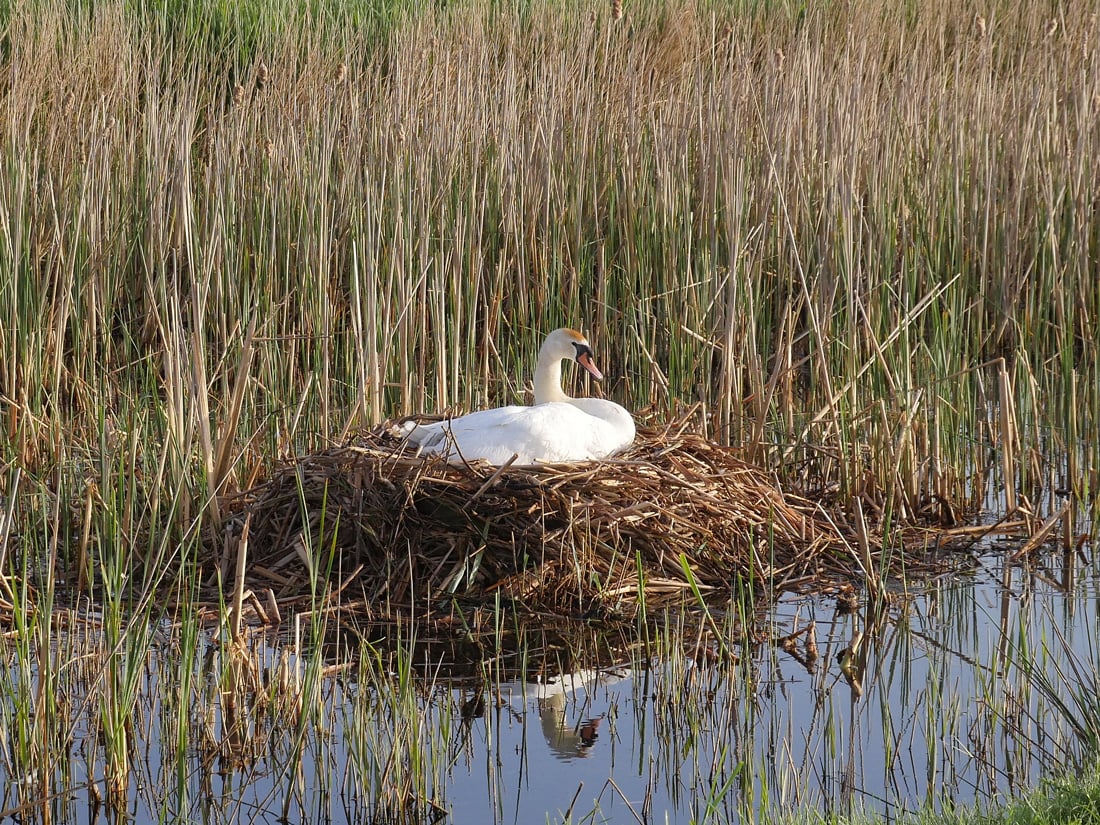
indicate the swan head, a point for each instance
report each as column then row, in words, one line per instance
column 560, row 345
column 565, row 343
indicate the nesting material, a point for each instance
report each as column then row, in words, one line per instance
column 400, row 533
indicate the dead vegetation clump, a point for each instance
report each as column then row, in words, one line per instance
column 673, row 514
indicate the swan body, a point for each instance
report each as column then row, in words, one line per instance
column 557, row 429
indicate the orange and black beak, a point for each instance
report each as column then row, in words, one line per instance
column 584, row 358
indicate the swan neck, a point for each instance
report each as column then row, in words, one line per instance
column 548, row 379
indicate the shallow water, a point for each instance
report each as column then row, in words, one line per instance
column 936, row 707
column 934, row 723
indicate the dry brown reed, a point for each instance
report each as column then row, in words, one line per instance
column 744, row 208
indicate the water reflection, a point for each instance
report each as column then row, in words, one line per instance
column 953, row 692
column 928, row 699
column 569, row 707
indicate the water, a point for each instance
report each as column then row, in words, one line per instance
column 929, row 720
column 936, row 706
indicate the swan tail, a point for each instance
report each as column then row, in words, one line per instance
column 428, row 438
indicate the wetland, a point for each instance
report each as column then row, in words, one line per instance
column 846, row 254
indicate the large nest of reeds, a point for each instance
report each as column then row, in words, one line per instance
column 674, row 515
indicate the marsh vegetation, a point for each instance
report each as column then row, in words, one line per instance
column 859, row 241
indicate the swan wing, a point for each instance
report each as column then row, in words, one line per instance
column 487, row 435
column 615, row 431
column 556, row 432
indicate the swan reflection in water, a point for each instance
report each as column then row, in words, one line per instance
column 570, row 740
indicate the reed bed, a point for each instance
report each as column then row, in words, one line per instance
column 863, row 240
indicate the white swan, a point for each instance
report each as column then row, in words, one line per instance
column 556, row 429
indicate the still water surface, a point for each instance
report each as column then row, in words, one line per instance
column 937, row 707
column 944, row 714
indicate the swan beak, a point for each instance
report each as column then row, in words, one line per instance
column 584, row 358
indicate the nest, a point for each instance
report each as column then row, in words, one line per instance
column 675, row 515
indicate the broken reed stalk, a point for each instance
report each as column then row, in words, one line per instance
column 1008, row 441
column 865, row 561
column 1039, row 536
column 239, row 577
column 226, row 444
